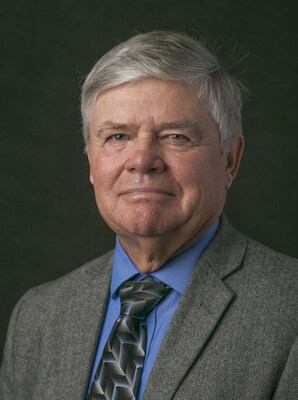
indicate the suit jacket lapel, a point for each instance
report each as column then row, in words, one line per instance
column 201, row 307
column 82, row 329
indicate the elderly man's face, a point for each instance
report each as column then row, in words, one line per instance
column 155, row 160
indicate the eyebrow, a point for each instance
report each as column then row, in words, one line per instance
column 110, row 125
column 183, row 124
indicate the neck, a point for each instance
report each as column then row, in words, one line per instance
column 150, row 253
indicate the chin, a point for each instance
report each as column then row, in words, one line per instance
column 145, row 220
column 146, row 227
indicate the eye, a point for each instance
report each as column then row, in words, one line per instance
column 118, row 137
column 176, row 140
column 177, row 136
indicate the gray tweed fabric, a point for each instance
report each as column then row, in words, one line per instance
column 233, row 336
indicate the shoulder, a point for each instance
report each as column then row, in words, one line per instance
column 253, row 252
column 272, row 278
column 49, row 295
column 263, row 254
column 267, row 280
column 75, row 280
column 271, row 264
column 48, row 313
column 251, row 267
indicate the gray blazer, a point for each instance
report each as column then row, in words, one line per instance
column 232, row 336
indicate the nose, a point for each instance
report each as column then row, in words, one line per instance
column 145, row 158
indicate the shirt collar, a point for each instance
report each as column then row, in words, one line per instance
column 176, row 272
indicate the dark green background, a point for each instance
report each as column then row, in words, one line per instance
column 49, row 220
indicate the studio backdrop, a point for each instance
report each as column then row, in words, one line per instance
column 49, row 220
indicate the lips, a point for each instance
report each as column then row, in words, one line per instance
column 146, row 190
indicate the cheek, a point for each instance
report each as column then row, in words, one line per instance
column 200, row 178
column 104, row 172
column 189, row 172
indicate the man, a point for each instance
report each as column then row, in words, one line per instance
column 163, row 137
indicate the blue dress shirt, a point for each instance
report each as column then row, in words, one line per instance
column 176, row 273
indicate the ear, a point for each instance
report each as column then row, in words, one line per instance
column 233, row 159
column 90, row 174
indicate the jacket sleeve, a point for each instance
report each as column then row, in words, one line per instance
column 287, row 388
column 7, row 371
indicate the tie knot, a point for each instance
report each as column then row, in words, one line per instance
column 138, row 298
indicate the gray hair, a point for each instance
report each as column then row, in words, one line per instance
column 169, row 56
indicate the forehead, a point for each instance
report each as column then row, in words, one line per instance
column 150, row 98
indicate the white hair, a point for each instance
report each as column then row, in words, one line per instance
column 169, row 56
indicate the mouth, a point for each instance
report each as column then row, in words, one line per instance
column 146, row 191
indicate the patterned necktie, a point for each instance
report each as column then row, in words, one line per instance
column 120, row 368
